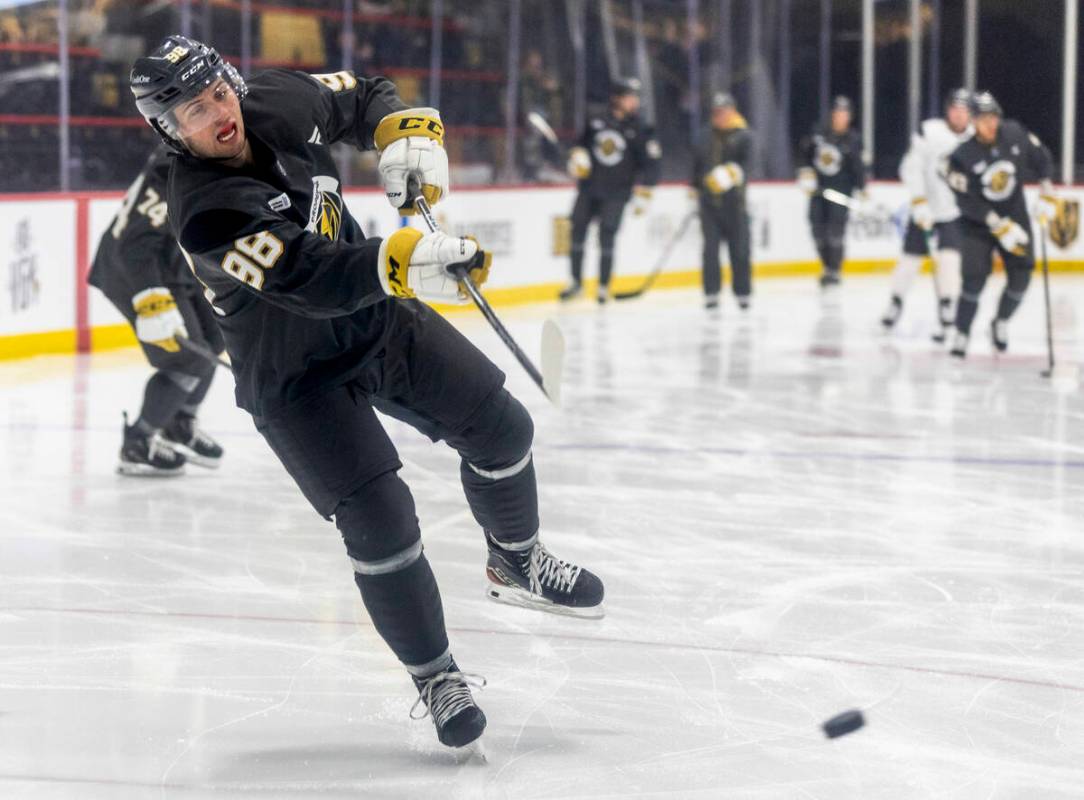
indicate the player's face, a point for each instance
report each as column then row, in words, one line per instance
column 210, row 125
column 627, row 103
column 720, row 117
column 986, row 126
column 957, row 117
column 841, row 120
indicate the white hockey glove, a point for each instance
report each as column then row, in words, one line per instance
column 1010, row 235
column 413, row 264
column 579, row 163
column 807, row 180
column 641, row 200
column 724, row 177
column 921, row 214
column 411, row 143
column 158, row 321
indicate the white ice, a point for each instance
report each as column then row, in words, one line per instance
column 793, row 513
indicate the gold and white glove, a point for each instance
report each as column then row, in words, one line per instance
column 724, row 177
column 1048, row 206
column 158, row 322
column 411, row 144
column 921, row 214
column 416, row 264
column 579, row 163
column 641, row 200
column 807, row 180
column 1010, row 235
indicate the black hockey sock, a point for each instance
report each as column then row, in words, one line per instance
column 577, row 263
column 1008, row 304
column 162, row 399
column 965, row 313
column 605, row 267
column 505, row 507
column 834, row 252
column 197, row 395
column 406, row 611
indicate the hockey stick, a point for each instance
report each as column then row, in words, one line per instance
column 538, row 122
column 1049, row 372
column 553, row 342
column 840, row 199
column 663, row 257
column 202, row 352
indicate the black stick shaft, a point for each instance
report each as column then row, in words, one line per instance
column 483, row 305
column 203, row 352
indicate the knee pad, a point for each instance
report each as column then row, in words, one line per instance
column 379, row 526
column 499, row 438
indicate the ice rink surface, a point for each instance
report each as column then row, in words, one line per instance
column 793, row 513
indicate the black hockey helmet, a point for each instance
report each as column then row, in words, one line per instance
column 623, row 86
column 173, row 73
column 958, row 97
column 842, row 103
column 984, row 103
column 723, row 100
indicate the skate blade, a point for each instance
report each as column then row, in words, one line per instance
column 514, row 596
column 192, row 457
column 147, row 471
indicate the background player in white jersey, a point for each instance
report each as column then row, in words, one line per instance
column 933, row 211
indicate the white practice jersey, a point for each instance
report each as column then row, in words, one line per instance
column 923, row 168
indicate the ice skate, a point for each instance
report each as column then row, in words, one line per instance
column 446, row 697
column 711, row 301
column 147, row 455
column 829, row 279
column 946, row 317
column 532, row 577
column 959, row 345
column 185, row 437
column 892, row 313
column 570, row 292
column 999, row 334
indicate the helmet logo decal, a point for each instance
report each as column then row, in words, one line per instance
column 177, row 54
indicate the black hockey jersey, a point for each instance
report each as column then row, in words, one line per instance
column 137, row 250
column 988, row 179
column 732, row 145
column 287, row 269
column 624, row 153
column 836, row 158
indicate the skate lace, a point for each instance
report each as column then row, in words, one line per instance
column 156, row 447
column 201, row 439
column 446, row 694
column 545, row 569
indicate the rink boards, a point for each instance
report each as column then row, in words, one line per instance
column 48, row 241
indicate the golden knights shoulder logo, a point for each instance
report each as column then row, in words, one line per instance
column 1065, row 226
column 326, row 211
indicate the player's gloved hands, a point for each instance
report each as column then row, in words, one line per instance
column 1049, row 204
column 413, row 264
column 579, row 163
column 724, row 177
column 158, row 321
column 921, row 214
column 411, row 143
column 1010, row 235
column 807, row 180
column 641, row 200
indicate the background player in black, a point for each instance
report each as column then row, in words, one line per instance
column 720, row 170
column 139, row 267
column 987, row 173
column 323, row 326
column 616, row 157
column 831, row 158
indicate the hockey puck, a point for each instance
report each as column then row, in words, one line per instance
column 842, row 724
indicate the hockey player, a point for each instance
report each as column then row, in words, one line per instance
column 933, row 210
column 616, row 158
column 831, row 158
column 324, row 325
column 720, row 167
column 987, row 173
column 142, row 272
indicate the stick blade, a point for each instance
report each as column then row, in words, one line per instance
column 553, row 360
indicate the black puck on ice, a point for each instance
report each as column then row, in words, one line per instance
column 842, row 724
